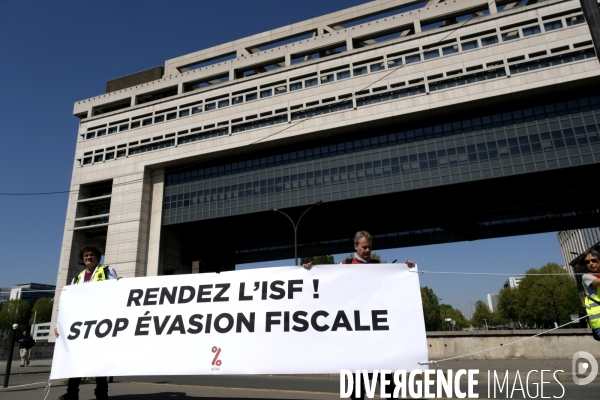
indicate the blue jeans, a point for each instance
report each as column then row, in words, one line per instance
column 597, row 330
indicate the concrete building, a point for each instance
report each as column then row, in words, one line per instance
column 513, row 282
column 41, row 332
column 492, row 299
column 32, row 292
column 426, row 115
column 574, row 242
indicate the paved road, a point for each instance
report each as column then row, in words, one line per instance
column 35, row 377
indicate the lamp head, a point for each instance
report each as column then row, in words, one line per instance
column 15, row 326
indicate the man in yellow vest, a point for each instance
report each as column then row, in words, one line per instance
column 93, row 272
column 591, row 282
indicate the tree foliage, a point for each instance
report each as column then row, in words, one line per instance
column 15, row 312
column 318, row 260
column 431, row 309
column 482, row 314
column 447, row 311
column 44, row 311
column 534, row 300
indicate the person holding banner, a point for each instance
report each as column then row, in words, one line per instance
column 94, row 272
column 363, row 245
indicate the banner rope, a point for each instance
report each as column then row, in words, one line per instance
column 47, row 389
column 502, row 345
column 491, row 273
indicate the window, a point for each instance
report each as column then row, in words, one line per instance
column 210, row 106
column 112, row 129
column 98, row 158
column 251, row 96
column 550, row 26
column 575, row 20
column 343, row 75
column 378, row 66
column 413, row 58
column 281, row 89
column 90, row 135
column 311, row 82
column 184, row 113
column 135, row 124
column 326, row 78
column 431, row 54
column 237, row 100
column 295, row 86
column 159, row 118
column 360, row 71
column 196, row 110
column 121, row 153
column 450, row 49
column 489, row 40
column 470, row 45
column 223, row 103
column 87, row 160
column 266, row 93
column 531, row 30
column 171, row 116
column 101, row 132
column 510, row 36
column 110, row 156
column 147, row 121
column 123, row 127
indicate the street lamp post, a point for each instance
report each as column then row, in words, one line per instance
column 11, row 348
column 553, row 300
column 295, row 225
column 486, row 325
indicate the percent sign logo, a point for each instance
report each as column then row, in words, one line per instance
column 216, row 361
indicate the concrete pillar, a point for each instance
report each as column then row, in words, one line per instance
column 417, row 24
column 349, row 44
column 156, row 208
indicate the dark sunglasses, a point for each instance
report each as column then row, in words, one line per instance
column 593, row 260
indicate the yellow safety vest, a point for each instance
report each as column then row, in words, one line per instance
column 99, row 275
column 593, row 311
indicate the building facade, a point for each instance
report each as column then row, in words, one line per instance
column 32, row 292
column 492, row 299
column 575, row 242
column 393, row 106
column 513, row 282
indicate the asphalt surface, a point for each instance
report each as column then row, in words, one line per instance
column 29, row 383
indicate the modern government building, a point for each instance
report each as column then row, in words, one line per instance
column 420, row 121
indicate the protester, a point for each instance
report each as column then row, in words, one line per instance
column 93, row 272
column 591, row 282
column 363, row 246
column 25, row 343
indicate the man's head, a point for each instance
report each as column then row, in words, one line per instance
column 363, row 244
column 24, row 333
column 90, row 256
column 592, row 261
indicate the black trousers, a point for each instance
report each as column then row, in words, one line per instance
column 100, row 391
column 389, row 388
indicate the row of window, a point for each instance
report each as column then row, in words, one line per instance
column 542, row 120
column 338, row 73
column 435, row 82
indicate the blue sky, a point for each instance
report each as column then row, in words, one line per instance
column 56, row 53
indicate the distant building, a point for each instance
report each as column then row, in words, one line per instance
column 31, row 292
column 4, row 296
column 41, row 332
column 513, row 282
column 575, row 242
column 492, row 299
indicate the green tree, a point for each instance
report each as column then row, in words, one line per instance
column 15, row 312
column 447, row 311
column 431, row 309
column 44, row 311
column 508, row 308
column 318, row 260
column 481, row 315
column 534, row 296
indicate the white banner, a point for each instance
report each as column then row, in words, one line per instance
column 284, row 320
